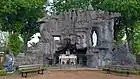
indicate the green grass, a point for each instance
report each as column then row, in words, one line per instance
column 133, row 72
column 0, row 68
column 3, row 73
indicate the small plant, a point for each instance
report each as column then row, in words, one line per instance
column 3, row 73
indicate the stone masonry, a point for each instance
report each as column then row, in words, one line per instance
column 79, row 29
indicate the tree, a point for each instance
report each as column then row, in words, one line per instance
column 67, row 5
column 136, row 38
column 129, row 10
column 14, row 43
column 21, row 16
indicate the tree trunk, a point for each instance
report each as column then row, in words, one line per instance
column 129, row 39
column 25, row 38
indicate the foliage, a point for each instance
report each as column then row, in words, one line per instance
column 66, row 5
column 14, row 43
column 129, row 10
column 133, row 72
column 3, row 73
column 136, row 37
column 16, row 13
column 21, row 16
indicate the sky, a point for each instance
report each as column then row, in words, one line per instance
column 34, row 39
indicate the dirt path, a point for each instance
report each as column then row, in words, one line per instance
column 70, row 75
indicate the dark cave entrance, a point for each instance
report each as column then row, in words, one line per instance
column 81, row 56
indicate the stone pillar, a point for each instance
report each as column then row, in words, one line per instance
column 101, row 57
column 111, row 33
column 99, row 36
column 89, row 45
column 107, row 42
column 88, row 38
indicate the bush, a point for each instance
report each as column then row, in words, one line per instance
column 14, row 43
column 3, row 73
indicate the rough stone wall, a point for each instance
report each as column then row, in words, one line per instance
column 122, row 56
column 28, row 59
column 67, row 23
column 104, row 30
column 34, row 55
column 79, row 29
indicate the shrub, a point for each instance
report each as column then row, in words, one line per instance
column 3, row 73
column 14, row 43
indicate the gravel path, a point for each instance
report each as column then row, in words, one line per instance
column 70, row 75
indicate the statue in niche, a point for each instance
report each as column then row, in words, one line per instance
column 94, row 39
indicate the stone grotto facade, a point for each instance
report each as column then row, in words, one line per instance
column 78, row 28
column 80, row 33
